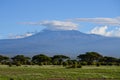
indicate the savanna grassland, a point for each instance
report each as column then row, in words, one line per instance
column 52, row 72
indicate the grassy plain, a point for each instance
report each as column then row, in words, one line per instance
column 52, row 72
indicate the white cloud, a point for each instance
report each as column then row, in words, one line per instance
column 56, row 25
column 105, row 21
column 99, row 30
column 115, row 33
column 11, row 36
column 103, row 30
column 70, row 25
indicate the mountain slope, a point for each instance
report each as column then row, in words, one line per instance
column 68, row 42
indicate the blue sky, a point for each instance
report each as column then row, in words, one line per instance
column 14, row 13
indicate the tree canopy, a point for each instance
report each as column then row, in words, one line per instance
column 40, row 58
column 58, row 59
column 3, row 59
column 20, row 58
column 90, row 57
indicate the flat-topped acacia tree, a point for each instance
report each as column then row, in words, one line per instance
column 90, row 57
column 41, row 59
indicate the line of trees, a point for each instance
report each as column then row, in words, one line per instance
column 89, row 58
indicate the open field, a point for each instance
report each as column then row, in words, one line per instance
column 58, row 73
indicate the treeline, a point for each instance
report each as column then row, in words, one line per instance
column 89, row 58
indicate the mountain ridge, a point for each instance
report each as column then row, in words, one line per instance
column 67, row 42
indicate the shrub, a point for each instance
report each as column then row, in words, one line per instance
column 98, row 64
column 110, row 64
column 103, row 63
column 70, row 62
column 79, row 66
column 89, row 63
column 74, row 65
column 65, row 64
column 45, row 63
column 10, row 64
column 40, row 64
column 83, row 63
column 55, row 63
column 17, row 64
column 117, row 64
column 29, row 63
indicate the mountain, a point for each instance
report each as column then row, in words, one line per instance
column 67, row 42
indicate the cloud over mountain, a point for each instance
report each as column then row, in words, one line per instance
column 73, row 24
column 12, row 36
column 103, row 30
column 103, row 21
column 56, row 25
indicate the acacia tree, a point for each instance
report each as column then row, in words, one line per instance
column 4, row 59
column 41, row 58
column 90, row 57
column 106, row 60
column 58, row 59
column 21, row 59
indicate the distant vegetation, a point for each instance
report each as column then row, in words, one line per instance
column 89, row 58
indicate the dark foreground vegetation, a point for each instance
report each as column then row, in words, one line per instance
column 89, row 58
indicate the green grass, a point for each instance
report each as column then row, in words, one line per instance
column 48, row 72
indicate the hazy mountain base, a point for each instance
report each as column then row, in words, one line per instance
column 67, row 42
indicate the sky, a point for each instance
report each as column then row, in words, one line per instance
column 21, row 18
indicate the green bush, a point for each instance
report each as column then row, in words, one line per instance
column 89, row 63
column 40, row 64
column 70, row 62
column 10, row 64
column 74, row 65
column 55, row 63
column 83, row 63
column 110, row 64
column 18, row 64
column 98, row 64
column 65, row 64
column 103, row 63
column 79, row 66
column 117, row 64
